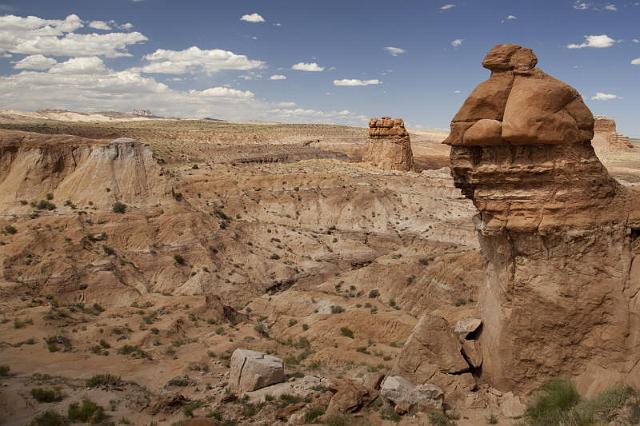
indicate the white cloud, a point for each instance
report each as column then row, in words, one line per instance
column 447, row 6
column 253, row 18
column 224, row 92
column 580, row 5
column 635, row 61
column 355, row 82
column 35, row 62
column 99, row 25
column 596, row 41
column 309, row 67
column 457, row 92
column 635, row 40
column 511, row 18
column 194, row 60
column 604, row 97
column 457, row 42
column 611, row 8
column 32, row 36
column 278, row 77
column 127, row 26
column 76, row 66
column 394, row 51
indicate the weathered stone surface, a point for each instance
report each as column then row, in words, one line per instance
column 408, row 397
column 466, row 326
column 389, row 145
column 472, row 352
column 606, row 137
column 251, row 370
column 484, row 132
column 488, row 100
column 558, row 235
column 349, row 397
column 504, row 57
column 511, row 406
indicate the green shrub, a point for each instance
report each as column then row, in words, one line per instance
column 337, row 309
column 10, row 229
column 492, row 419
column 438, row 419
column 179, row 260
column 104, row 380
column 56, row 343
column 313, row 414
column 50, row 418
column 109, row 251
column 119, row 207
column 134, row 351
column 553, row 402
column 347, row 332
column 338, row 420
column 47, row 395
column 45, row 205
column 86, row 412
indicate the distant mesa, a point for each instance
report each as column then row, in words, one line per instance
column 389, row 145
column 607, row 138
column 142, row 113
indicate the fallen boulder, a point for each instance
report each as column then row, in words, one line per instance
column 407, row 397
column 251, row 370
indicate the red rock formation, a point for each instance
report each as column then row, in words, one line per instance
column 558, row 234
column 607, row 138
column 389, row 145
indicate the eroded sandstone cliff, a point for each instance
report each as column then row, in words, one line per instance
column 389, row 145
column 607, row 138
column 558, row 234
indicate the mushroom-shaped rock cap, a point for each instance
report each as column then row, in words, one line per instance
column 506, row 57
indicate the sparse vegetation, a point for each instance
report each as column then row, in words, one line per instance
column 180, row 260
column 104, row 380
column 346, row 332
column 50, row 418
column 119, row 207
column 10, row 229
column 47, row 395
column 4, row 370
column 86, row 411
column 57, row 343
column 337, row 309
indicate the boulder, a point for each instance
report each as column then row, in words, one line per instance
column 349, row 397
column 511, row 406
column 467, row 326
column 251, row 370
column 407, row 397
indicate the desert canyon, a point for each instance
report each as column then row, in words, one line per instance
column 204, row 272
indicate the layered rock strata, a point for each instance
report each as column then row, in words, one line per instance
column 558, row 234
column 389, row 145
column 607, row 138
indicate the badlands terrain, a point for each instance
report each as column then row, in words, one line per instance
column 139, row 253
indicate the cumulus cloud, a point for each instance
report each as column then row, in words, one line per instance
column 394, row 51
column 35, row 62
column 596, row 41
column 223, row 92
column 447, row 6
column 355, row 82
column 57, row 37
column 254, row 18
column 635, row 61
column 278, row 77
column 99, row 25
column 309, row 67
column 604, row 97
column 583, row 5
column 611, row 8
column 77, row 66
column 580, row 5
column 194, row 60
column 457, row 42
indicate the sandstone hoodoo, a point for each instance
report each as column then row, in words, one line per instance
column 389, row 145
column 558, row 234
column 607, row 138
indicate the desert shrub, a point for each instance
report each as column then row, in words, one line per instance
column 292, row 322
column 179, row 260
column 338, row 420
column 250, row 410
column 4, row 370
column 460, row 302
column 10, row 229
column 119, row 207
column 46, row 395
column 388, row 413
column 50, row 418
column 346, row 332
column 221, row 215
column 109, row 251
column 45, row 205
column 57, row 343
column 553, row 403
column 439, row 419
column 193, row 405
column 337, row 309
column 17, row 323
column 261, row 329
column 104, row 380
column 133, row 351
column 287, row 399
column 49, row 196
column 305, row 327
column 603, row 409
column 374, row 293
column 86, row 412
column 492, row 419
column 313, row 414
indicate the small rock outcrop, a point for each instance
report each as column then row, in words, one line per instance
column 560, row 237
column 251, row 370
column 407, row 397
column 607, row 138
column 389, row 145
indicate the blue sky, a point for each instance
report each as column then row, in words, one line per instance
column 425, row 83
